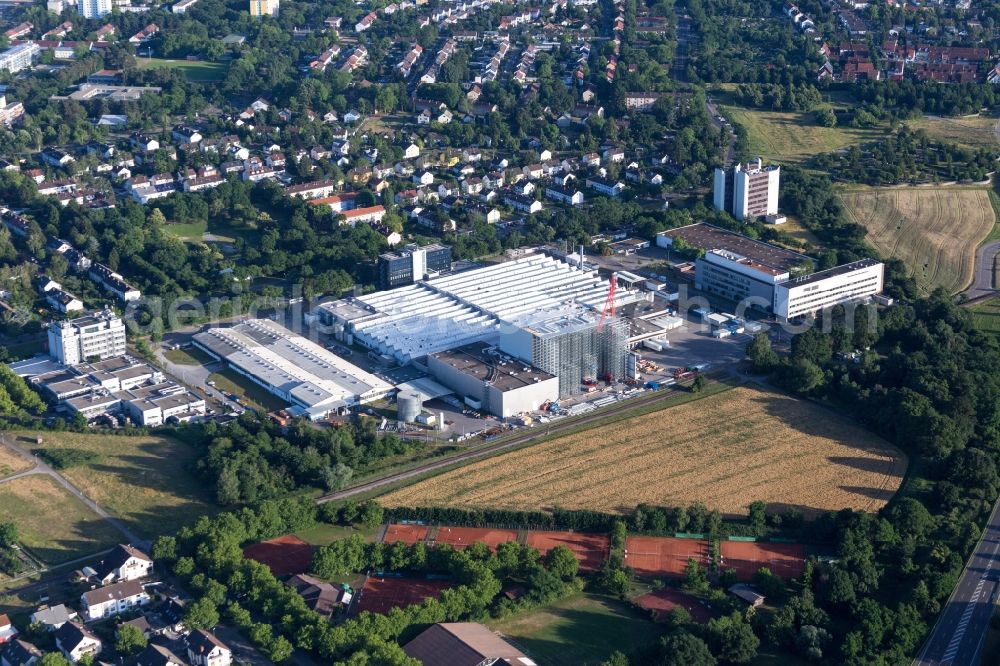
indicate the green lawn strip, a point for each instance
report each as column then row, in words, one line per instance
column 322, row 534
column 197, row 71
column 249, row 393
column 579, row 630
column 189, row 356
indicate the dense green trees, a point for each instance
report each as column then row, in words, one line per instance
column 253, row 459
column 208, row 557
column 908, row 157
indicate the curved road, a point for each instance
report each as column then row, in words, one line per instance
column 982, row 280
column 535, row 433
column 41, row 467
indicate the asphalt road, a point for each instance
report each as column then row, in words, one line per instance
column 957, row 638
column 41, row 467
column 982, row 281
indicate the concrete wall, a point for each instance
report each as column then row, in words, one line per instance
column 525, row 399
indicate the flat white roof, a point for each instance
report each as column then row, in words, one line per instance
column 538, row 293
column 291, row 364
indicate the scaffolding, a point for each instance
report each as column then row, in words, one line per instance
column 592, row 352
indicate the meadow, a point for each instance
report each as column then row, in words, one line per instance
column 53, row 525
column 143, row 480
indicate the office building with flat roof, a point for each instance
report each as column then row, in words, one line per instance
column 93, row 337
column 810, row 294
column 775, row 279
column 412, row 264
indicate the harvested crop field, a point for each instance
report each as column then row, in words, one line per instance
column 934, row 230
column 726, row 450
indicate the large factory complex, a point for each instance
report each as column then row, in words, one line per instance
column 505, row 338
column 510, row 337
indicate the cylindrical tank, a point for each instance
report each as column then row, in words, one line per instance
column 409, row 406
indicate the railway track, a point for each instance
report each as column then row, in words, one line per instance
column 562, row 426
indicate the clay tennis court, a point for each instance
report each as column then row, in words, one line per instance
column 663, row 556
column 591, row 549
column 463, row 537
column 785, row 560
column 284, row 556
column 408, row 534
column 380, row 595
column 663, row 601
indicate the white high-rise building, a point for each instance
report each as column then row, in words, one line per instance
column 749, row 190
column 259, row 8
column 96, row 336
column 93, row 9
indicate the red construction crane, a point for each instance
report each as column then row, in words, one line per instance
column 609, row 303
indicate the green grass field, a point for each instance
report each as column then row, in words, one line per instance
column 143, row 480
column 986, row 316
column 197, row 71
column 54, row 525
column 322, row 534
column 973, row 132
column 793, row 137
column 580, row 630
column 249, row 393
column 189, row 231
column 190, row 356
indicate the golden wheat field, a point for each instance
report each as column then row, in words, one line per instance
column 935, row 231
column 726, row 450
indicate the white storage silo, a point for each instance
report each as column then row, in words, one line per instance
column 408, row 406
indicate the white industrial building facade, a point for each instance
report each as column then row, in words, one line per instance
column 772, row 278
column 811, row 293
column 291, row 367
column 500, row 384
column 538, row 309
